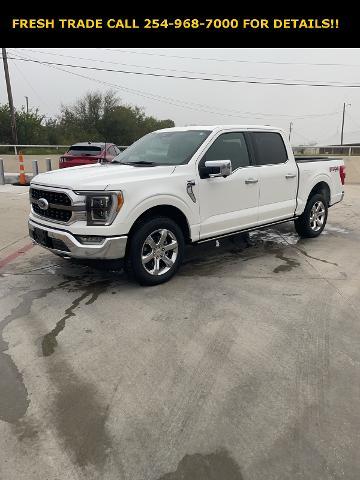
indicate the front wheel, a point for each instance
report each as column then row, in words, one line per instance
column 313, row 220
column 155, row 251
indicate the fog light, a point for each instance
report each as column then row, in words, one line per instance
column 90, row 239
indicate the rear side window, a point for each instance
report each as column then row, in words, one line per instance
column 229, row 146
column 269, row 148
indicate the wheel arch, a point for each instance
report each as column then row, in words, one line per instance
column 322, row 188
column 319, row 184
column 165, row 210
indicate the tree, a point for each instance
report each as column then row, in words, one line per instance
column 29, row 126
column 102, row 117
column 5, row 124
column 94, row 117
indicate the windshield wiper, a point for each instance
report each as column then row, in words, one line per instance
column 139, row 163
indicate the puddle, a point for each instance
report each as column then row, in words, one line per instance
column 301, row 250
column 287, row 266
column 91, row 292
column 211, row 259
column 80, row 418
column 215, row 466
column 14, row 399
column 271, row 237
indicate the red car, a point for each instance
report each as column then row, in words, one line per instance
column 88, row 152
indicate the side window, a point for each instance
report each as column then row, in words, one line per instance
column 269, row 148
column 229, row 146
column 112, row 151
column 117, row 151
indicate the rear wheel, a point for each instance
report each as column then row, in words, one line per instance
column 155, row 251
column 313, row 220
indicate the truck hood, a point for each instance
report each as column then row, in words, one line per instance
column 100, row 176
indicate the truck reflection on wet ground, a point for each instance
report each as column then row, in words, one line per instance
column 209, row 259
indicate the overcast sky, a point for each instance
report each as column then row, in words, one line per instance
column 316, row 112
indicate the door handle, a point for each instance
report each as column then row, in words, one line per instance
column 290, row 175
column 251, row 180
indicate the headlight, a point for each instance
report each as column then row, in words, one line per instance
column 102, row 208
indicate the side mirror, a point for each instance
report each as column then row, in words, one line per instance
column 216, row 168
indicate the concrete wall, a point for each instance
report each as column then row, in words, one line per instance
column 11, row 162
column 12, row 165
column 352, row 169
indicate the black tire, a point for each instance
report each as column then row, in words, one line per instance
column 305, row 225
column 137, row 246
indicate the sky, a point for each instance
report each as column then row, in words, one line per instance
column 315, row 112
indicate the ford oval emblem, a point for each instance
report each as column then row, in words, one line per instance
column 43, row 203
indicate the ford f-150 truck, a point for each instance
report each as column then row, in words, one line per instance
column 179, row 186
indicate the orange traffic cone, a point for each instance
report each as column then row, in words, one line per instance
column 22, row 178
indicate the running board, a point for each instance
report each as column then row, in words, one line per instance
column 258, row 227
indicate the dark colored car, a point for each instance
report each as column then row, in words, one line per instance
column 88, row 152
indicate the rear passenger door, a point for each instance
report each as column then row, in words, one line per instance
column 278, row 177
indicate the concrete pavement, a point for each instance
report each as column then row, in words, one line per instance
column 244, row 367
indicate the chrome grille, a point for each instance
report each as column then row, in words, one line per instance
column 57, row 198
column 53, row 213
column 59, row 206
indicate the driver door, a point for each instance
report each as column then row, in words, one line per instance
column 232, row 203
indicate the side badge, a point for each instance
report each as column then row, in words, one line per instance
column 189, row 189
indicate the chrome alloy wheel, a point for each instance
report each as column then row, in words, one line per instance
column 159, row 252
column 317, row 216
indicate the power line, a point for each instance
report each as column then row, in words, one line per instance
column 164, row 69
column 150, row 96
column 232, row 60
column 154, row 97
column 32, row 88
column 173, row 102
column 184, row 104
column 185, row 77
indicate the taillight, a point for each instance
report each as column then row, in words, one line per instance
column 342, row 174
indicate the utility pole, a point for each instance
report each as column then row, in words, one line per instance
column 11, row 103
column 290, row 130
column 27, row 104
column 343, row 121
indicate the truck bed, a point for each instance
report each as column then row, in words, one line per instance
column 306, row 159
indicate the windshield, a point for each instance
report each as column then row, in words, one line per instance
column 84, row 150
column 163, row 148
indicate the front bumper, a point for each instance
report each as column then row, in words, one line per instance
column 65, row 244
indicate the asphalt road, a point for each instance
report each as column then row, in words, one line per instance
column 245, row 366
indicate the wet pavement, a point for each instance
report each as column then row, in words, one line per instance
column 245, row 366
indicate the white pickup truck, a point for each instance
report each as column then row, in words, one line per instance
column 178, row 186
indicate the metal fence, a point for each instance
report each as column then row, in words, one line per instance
column 344, row 151
column 298, row 150
column 18, row 147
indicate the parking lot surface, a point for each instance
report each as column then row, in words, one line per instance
column 245, row 366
